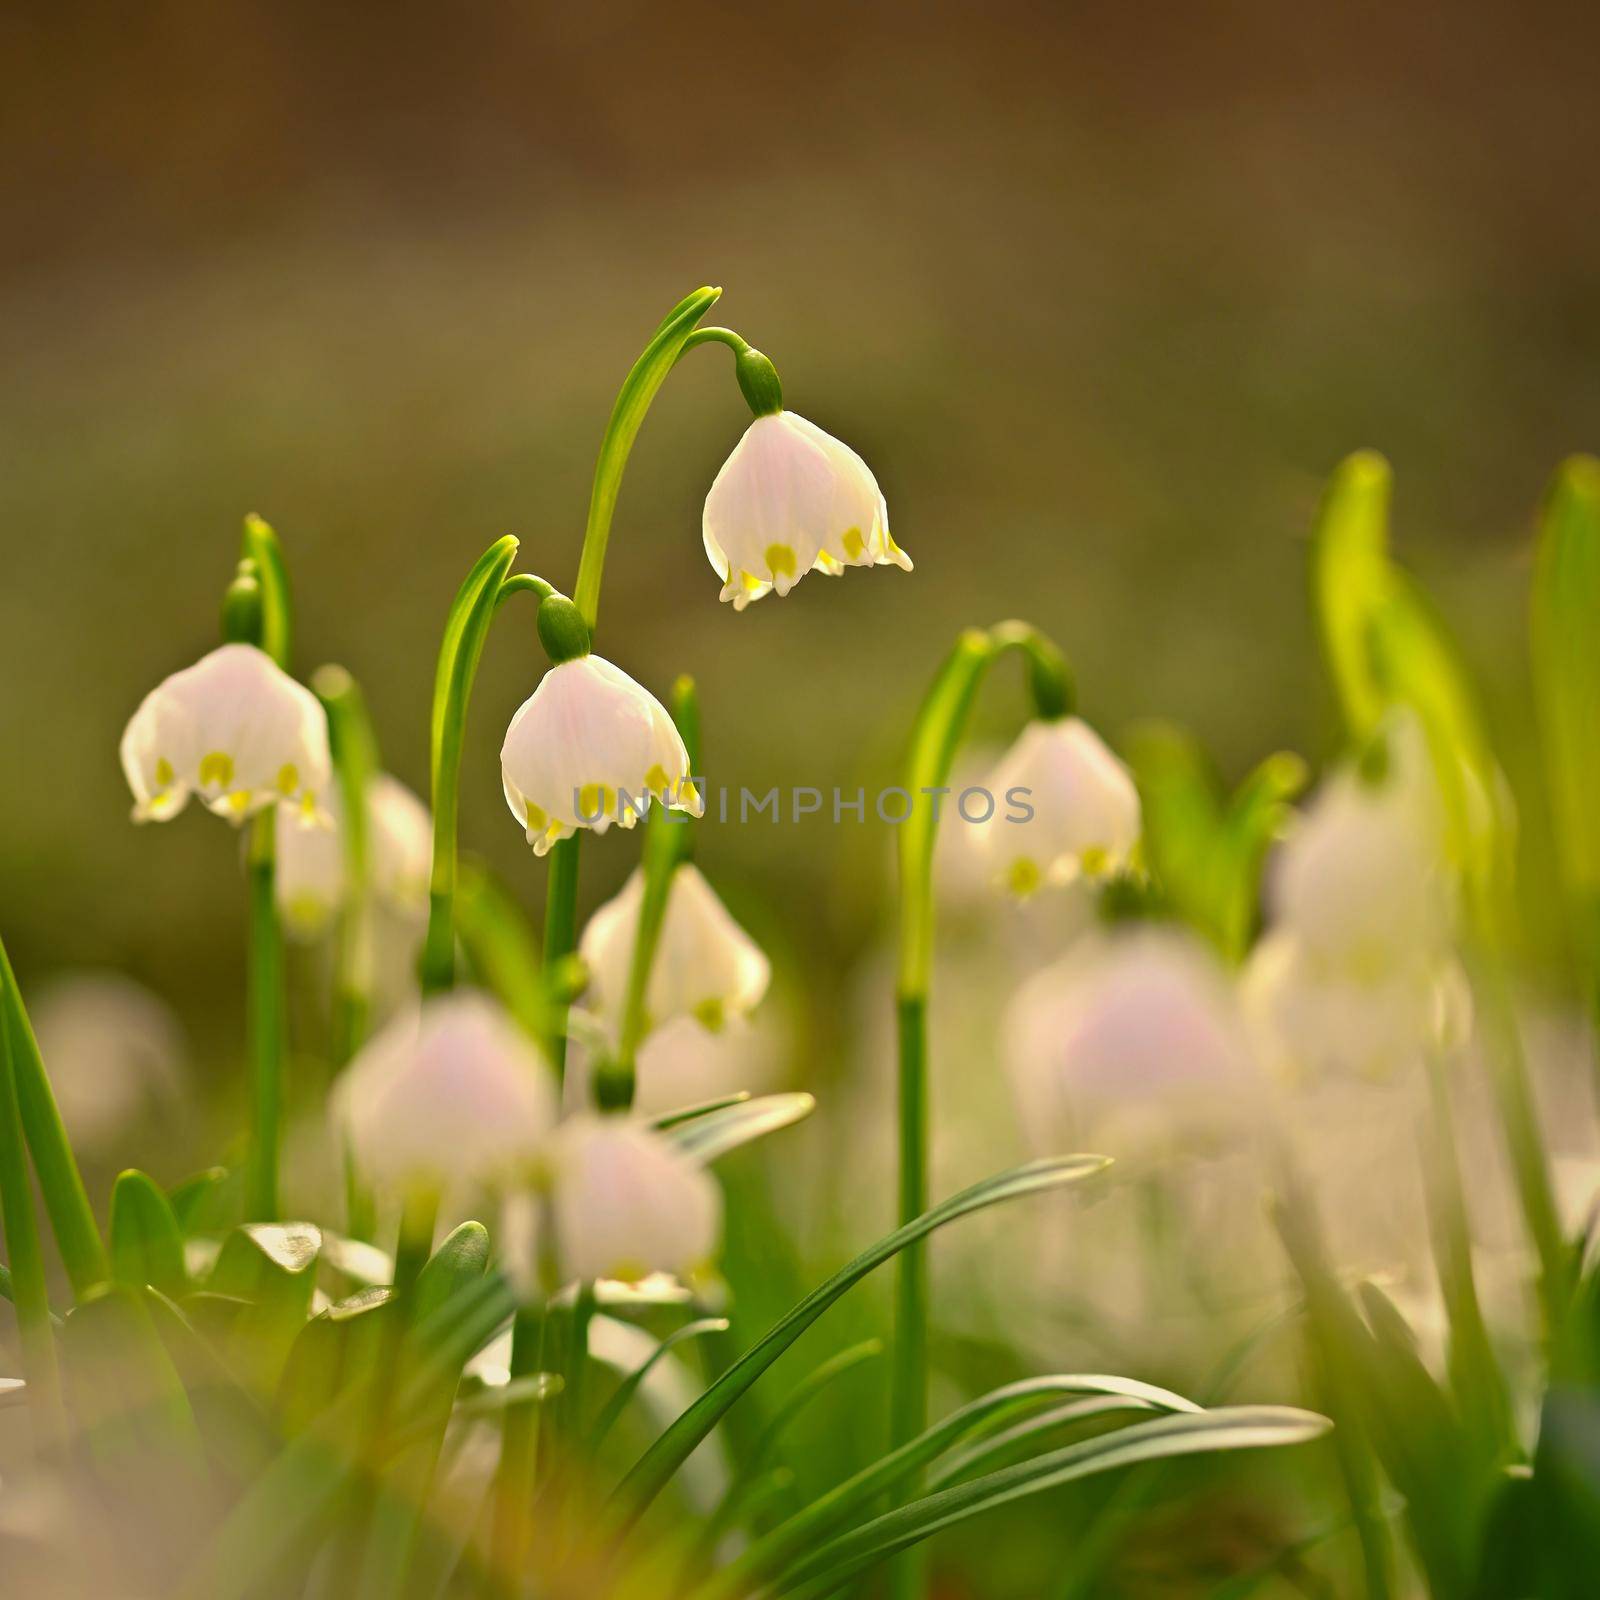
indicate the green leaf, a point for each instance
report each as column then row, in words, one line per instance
column 1566, row 667
column 1231, row 1428
column 267, row 1265
column 715, row 1133
column 194, row 1202
column 671, row 1119
column 655, row 1468
column 802, row 1530
column 146, row 1241
column 630, row 1385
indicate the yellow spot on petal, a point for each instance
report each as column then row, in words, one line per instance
column 164, row 773
column 288, row 778
column 854, row 544
column 656, row 779
column 1094, row 861
column 1024, row 877
column 780, row 560
column 239, row 802
column 711, row 1014
column 626, row 1271
column 535, row 818
column 216, row 768
column 595, row 801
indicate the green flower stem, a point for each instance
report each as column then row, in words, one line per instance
column 1524, row 1143
column 266, row 1004
column 355, row 764
column 28, row 1287
column 647, row 375
column 60, row 1183
column 669, row 841
column 510, row 1524
column 265, row 1010
column 466, row 628
column 940, row 724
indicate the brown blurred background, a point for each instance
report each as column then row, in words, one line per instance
column 1102, row 292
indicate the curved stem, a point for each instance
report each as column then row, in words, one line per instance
column 465, row 631
column 649, row 372
column 936, row 735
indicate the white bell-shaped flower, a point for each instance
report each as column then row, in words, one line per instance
column 790, row 500
column 588, row 748
column 706, row 966
column 628, row 1203
column 1059, row 806
column 234, row 729
column 311, row 879
column 1315, row 1018
column 1363, row 881
column 1141, row 1029
column 450, row 1092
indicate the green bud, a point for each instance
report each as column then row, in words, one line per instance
column 562, row 630
column 613, row 1085
column 758, row 379
column 242, row 607
column 567, row 979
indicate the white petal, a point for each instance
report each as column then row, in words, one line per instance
column 588, row 748
column 706, row 965
column 453, row 1091
column 627, row 1203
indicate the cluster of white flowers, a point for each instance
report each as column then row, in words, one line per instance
column 454, row 1096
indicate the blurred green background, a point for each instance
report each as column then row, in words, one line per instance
column 1101, row 292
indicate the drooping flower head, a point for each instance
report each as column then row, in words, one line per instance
column 234, row 729
column 706, row 966
column 452, row 1091
column 588, row 748
column 627, row 1202
column 311, row 880
column 790, row 500
column 1063, row 806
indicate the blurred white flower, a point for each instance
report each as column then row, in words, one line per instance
column 588, row 748
column 235, row 729
column 1139, row 1029
column 1356, row 973
column 450, row 1092
column 790, row 500
column 310, row 879
column 1312, row 1016
column 1084, row 808
column 114, row 1051
column 1363, row 879
column 626, row 1204
column 706, row 966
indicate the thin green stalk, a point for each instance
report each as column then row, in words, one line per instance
column 466, row 629
column 936, row 735
column 266, row 1025
column 60, row 1183
column 511, row 1508
column 669, row 841
column 1519, row 1120
column 560, row 934
column 28, row 1288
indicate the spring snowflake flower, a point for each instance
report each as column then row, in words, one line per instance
column 790, row 500
column 1141, row 1029
column 1357, row 973
column 588, row 748
column 310, row 878
column 1075, row 812
column 234, row 729
column 706, row 965
column 452, row 1091
column 626, row 1203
